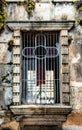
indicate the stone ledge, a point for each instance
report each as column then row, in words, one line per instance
column 40, row 25
column 41, row 109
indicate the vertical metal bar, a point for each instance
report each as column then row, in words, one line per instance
column 26, row 69
column 41, row 78
column 36, row 69
column 24, row 74
column 57, row 60
column 31, row 69
column 45, row 90
column 56, row 75
column 60, row 84
column 48, row 80
column 24, row 79
column 59, row 69
column 33, row 66
column 40, row 65
column 51, row 70
column 45, row 70
column 54, row 85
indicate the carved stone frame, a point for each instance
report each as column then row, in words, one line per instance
column 33, row 110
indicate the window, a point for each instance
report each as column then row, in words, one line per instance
column 40, row 67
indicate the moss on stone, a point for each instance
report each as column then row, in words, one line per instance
column 30, row 6
column 3, row 14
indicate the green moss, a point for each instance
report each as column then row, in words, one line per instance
column 75, row 1
column 3, row 14
column 1, row 25
column 79, row 20
column 70, row 38
column 80, row 8
column 11, row 41
column 30, row 6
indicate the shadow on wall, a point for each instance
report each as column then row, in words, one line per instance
column 40, row 127
column 69, row 127
column 6, row 129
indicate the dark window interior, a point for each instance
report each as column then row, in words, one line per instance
column 40, row 67
column 41, row 127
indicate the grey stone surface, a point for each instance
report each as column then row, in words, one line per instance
column 2, row 102
column 8, row 95
column 72, row 127
column 5, row 85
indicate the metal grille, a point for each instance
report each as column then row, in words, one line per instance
column 40, row 67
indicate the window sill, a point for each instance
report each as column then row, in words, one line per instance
column 35, row 115
column 41, row 109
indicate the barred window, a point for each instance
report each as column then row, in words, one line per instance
column 40, row 67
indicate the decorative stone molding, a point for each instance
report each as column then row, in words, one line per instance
column 40, row 25
column 16, row 68
column 41, row 115
column 65, row 66
column 40, row 109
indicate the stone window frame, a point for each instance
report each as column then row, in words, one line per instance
column 63, row 27
column 17, row 67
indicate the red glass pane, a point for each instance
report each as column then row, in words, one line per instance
column 40, row 72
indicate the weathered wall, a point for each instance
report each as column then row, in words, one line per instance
column 74, row 120
column 44, row 10
column 5, row 75
column 76, row 75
